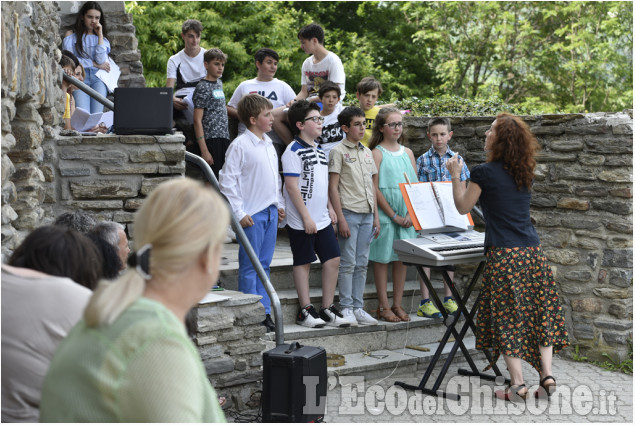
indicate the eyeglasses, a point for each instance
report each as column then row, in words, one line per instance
column 359, row 124
column 317, row 120
column 394, row 125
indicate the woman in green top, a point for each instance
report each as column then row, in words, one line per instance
column 130, row 359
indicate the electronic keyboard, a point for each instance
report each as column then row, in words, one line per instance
column 442, row 249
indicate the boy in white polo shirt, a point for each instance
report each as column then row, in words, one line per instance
column 309, row 216
column 250, row 180
column 352, row 182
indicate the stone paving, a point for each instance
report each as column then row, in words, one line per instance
column 586, row 393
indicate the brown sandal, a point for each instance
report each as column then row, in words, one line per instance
column 387, row 315
column 401, row 313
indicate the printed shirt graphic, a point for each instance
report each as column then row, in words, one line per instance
column 310, row 166
column 332, row 133
column 371, row 115
column 209, row 96
column 328, row 69
column 278, row 92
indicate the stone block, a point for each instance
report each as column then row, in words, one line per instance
column 217, row 366
column 104, row 189
column 588, row 305
column 618, row 227
column 551, row 119
column 233, row 334
column 623, row 129
column 566, row 145
column 619, row 161
column 137, row 139
column 244, row 347
column 552, row 187
column 8, row 214
column 27, row 173
column 611, row 145
column 256, row 361
column 543, row 201
column 544, row 156
column 621, row 278
column 250, row 316
column 68, row 140
column 547, row 130
column 133, row 204
column 94, row 155
column 129, row 169
column 615, row 338
column 579, row 275
column 74, row 172
column 178, row 168
column 28, row 155
column 100, row 139
column 9, row 193
column 27, row 111
column 148, row 184
column 621, row 309
column 587, row 159
column 240, row 365
column 616, row 176
column 569, row 288
column 171, row 138
column 464, row 132
column 586, row 243
column 28, row 135
column 613, row 294
column 555, row 238
column 620, row 242
column 573, row 204
column 562, row 256
column 622, row 192
column 592, row 260
column 573, row 172
column 615, row 325
column 613, row 206
column 593, row 191
column 238, row 378
column 622, row 258
column 583, row 330
column 158, row 154
column 214, row 319
column 210, row 351
column 123, row 217
column 96, row 205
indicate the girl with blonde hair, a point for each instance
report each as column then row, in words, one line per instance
column 130, row 359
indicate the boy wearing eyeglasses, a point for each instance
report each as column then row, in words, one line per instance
column 431, row 168
column 352, row 181
column 310, row 215
column 331, row 107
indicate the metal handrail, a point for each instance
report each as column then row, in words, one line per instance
column 86, row 89
column 242, row 237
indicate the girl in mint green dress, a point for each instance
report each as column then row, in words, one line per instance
column 392, row 160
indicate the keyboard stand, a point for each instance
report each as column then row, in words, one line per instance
column 451, row 322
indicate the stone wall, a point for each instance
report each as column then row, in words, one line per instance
column 32, row 107
column 121, row 35
column 582, row 205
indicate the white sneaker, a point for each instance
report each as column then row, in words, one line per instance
column 309, row 317
column 348, row 315
column 364, row 318
column 333, row 317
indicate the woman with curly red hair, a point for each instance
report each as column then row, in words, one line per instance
column 519, row 310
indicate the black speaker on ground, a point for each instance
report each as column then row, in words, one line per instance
column 294, row 384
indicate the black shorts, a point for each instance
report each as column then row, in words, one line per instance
column 304, row 246
column 216, row 147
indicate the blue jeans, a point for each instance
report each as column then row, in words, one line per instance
column 262, row 237
column 354, row 259
column 83, row 100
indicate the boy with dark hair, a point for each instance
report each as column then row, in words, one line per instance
column 431, row 168
column 368, row 91
column 329, row 95
column 210, row 113
column 277, row 92
column 250, row 181
column 184, row 70
column 310, row 215
column 352, row 181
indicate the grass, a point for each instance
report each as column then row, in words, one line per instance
column 625, row 366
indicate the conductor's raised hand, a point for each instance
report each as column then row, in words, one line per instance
column 454, row 165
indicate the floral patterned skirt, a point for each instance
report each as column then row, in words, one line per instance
column 519, row 308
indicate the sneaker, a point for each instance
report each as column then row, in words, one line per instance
column 450, row 306
column 309, row 317
column 429, row 310
column 364, row 318
column 348, row 315
column 333, row 317
column 268, row 323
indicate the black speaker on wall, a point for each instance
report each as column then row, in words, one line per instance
column 294, row 384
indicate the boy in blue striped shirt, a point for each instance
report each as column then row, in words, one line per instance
column 431, row 168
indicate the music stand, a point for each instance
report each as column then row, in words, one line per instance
column 451, row 321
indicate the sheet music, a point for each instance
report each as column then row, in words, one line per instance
column 110, row 78
column 424, row 205
column 451, row 214
column 82, row 120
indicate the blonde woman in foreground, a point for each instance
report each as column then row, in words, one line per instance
column 130, row 359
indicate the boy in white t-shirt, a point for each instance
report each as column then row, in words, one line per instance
column 309, row 216
column 250, row 181
column 265, row 84
column 185, row 69
column 331, row 107
column 321, row 66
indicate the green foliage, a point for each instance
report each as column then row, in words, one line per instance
column 449, row 105
column 625, row 366
column 518, row 56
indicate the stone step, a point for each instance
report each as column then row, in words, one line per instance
column 412, row 296
column 383, row 336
